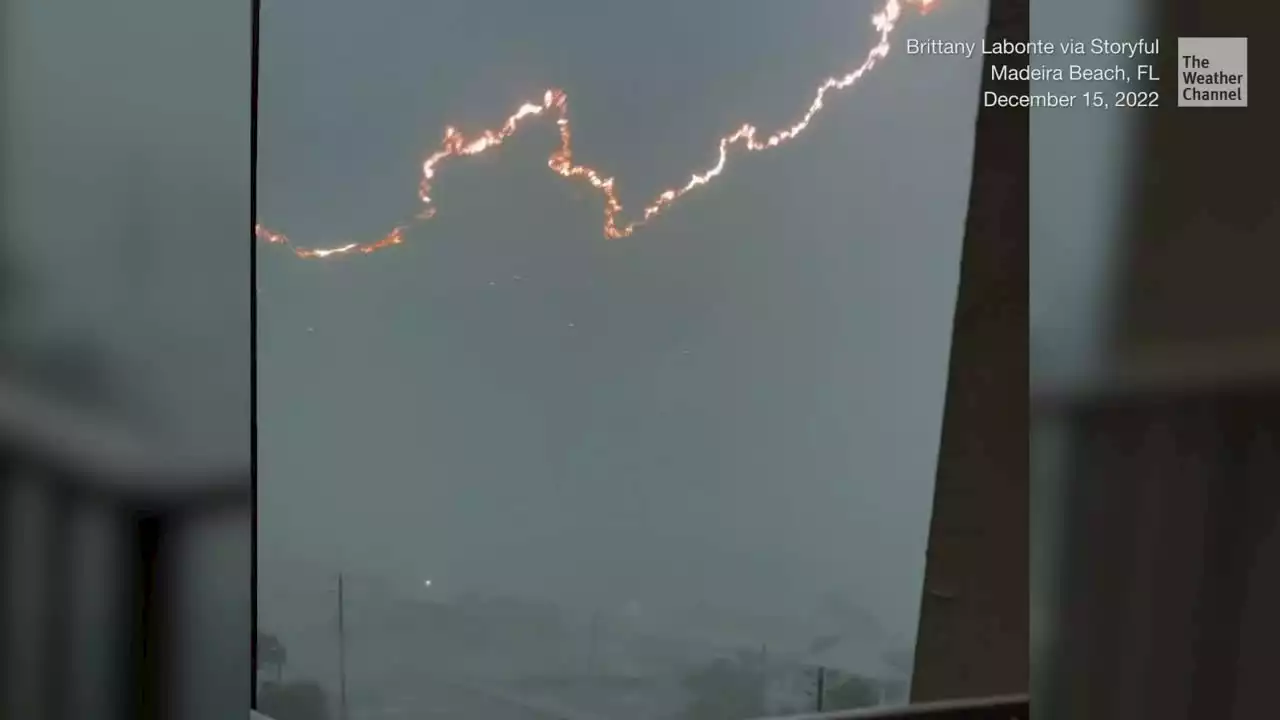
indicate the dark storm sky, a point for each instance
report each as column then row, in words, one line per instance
column 740, row 404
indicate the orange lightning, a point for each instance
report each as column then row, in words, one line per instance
column 556, row 102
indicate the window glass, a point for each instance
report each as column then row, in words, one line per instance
column 683, row 473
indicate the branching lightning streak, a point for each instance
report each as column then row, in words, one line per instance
column 556, row 102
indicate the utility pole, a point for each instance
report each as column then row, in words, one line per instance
column 342, row 654
column 821, row 692
column 593, row 639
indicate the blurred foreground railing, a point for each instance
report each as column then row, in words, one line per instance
column 94, row 564
column 1011, row 707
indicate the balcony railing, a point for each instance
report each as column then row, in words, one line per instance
column 92, row 560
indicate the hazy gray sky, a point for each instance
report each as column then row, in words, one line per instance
column 739, row 405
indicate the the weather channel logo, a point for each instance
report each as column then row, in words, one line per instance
column 1213, row 72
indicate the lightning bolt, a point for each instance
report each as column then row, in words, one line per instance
column 556, row 103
